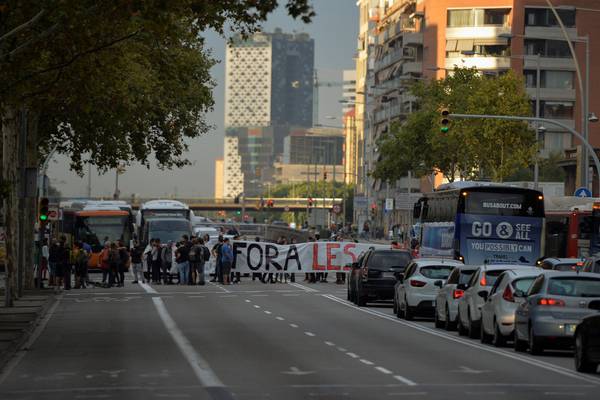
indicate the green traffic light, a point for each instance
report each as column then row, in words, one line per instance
column 43, row 217
column 444, row 129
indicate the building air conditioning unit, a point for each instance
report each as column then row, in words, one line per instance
column 409, row 52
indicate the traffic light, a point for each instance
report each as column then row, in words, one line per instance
column 325, row 175
column 445, row 121
column 44, row 210
column 270, row 203
column 310, row 201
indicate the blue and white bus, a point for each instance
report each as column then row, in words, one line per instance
column 480, row 222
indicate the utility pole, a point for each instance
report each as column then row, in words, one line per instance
column 23, row 176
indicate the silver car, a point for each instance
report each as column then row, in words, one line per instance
column 469, row 306
column 498, row 312
column 555, row 303
column 446, row 302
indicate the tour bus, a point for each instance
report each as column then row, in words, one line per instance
column 481, row 222
column 572, row 225
column 96, row 222
column 166, row 220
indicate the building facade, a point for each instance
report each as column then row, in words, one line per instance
column 268, row 92
column 233, row 177
column 219, row 175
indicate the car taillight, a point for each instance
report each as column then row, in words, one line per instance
column 457, row 293
column 416, row 283
column 508, row 294
column 546, row 301
column 482, row 281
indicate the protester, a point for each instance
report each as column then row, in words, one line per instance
column 226, row 260
column 183, row 262
column 156, row 261
column 103, row 263
column 79, row 260
column 167, row 259
column 44, row 259
column 64, row 268
column 114, row 259
column 216, row 252
column 123, row 262
column 52, row 263
column 198, row 257
column 136, row 262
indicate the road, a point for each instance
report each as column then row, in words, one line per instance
column 256, row 341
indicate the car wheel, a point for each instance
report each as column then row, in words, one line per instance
column 535, row 345
column 436, row 320
column 520, row 345
column 582, row 364
column 484, row 337
column 499, row 340
column 462, row 331
column 409, row 313
column 472, row 328
column 449, row 325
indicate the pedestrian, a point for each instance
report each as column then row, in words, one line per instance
column 136, row 263
column 44, row 260
column 65, row 266
column 79, row 260
column 123, row 262
column 183, row 261
column 167, row 262
column 52, row 262
column 226, row 260
column 216, row 252
column 104, row 264
column 147, row 260
column 156, row 261
column 197, row 256
column 113, row 262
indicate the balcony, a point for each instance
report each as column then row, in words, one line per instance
column 412, row 68
column 479, row 62
column 553, row 94
column 565, row 63
column 477, row 32
column 412, row 39
column 545, row 32
column 395, row 56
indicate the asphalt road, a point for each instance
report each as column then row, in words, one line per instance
column 256, row 341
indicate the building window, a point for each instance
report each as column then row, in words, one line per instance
column 550, row 79
column 557, row 109
column 478, row 17
column 545, row 17
column 547, row 48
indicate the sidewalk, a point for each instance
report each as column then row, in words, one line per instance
column 19, row 322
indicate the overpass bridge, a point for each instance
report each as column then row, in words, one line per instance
column 249, row 204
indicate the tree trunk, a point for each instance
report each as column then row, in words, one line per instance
column 31, row 204
column 10, row 129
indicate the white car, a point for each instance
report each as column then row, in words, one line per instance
column 498, row 312
column 417, row 289
column 446, row 302
column 469, row 306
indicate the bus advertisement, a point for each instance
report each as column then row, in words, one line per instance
column 482, row 223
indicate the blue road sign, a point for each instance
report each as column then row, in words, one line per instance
column 583, row 192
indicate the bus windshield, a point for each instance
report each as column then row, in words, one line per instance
column 502, row 204
column 168, row 230
column 95, row 230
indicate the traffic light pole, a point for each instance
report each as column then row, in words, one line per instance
column 572, row 131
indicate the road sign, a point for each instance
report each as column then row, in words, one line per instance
column 336, row 208
column 53, row 214
column 389, row 204
column 583, row 192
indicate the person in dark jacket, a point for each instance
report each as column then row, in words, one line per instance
column 123, row 262
column 136, row 262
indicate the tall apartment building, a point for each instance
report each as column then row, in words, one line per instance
column 268, row 90
column 348, row 90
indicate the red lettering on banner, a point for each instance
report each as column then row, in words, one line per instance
column 316, row 266
column 349, row 253
column 331, row 257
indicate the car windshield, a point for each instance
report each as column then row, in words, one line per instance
column 577, row 286
column 436, row 271
column 389, row 259
column 489, row 277
column 523, row 284
column 465, row 276
column 565, row 267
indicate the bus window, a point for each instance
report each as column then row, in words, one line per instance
column 503, row 204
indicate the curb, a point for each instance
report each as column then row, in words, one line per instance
column 19, row 342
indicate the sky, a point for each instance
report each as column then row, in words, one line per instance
column 334, row 29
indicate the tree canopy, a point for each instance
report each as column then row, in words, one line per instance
column 471, row 147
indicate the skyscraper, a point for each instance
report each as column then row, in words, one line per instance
column 268, row 90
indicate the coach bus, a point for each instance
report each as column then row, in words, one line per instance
column 162, row 209
column 572, row 227
column 480, row 222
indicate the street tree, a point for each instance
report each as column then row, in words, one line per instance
column 110, row 82
column 470, row 148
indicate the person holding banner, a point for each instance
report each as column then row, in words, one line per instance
column 226, row 260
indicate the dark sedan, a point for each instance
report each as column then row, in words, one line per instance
column 374, row 277
column 587, row 344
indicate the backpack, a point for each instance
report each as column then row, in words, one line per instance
column 194, row 253
column 206, row 253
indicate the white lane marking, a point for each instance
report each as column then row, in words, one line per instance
column 293, row 325
column 220, row 287
column 268, row 312
column 404, row 380
column 256, row 306
column 259, row 295
column 228, row 295
column 148, row 288
column 247, row 301
column 362, row 360
column 383, row 370
column 408, row 394
column 204, row 373
column 23, row 350
column 291, row 295
column 305, row 288
column 309, row 334
column 352, row 355
column 330, row 343
column 196, row 297
column 280, row 318
column 566, row 394
column 343, row 350
column 531, row 361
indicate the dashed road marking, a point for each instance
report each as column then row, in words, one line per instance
column 404, row 380
column 383, row 370
column 305, row 288
column 352, row 355
column 268, row 312
column 343, row 350
column 367, row 362
column 309, row 334
column 247, row 301
column 256, row 306
column 293, row 325
column 280, row 318
column 330, row 343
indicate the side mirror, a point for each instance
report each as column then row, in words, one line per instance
column 483, row 294
column 462, row 286
column 399, row 276
column 519, row 293
column 439, row 283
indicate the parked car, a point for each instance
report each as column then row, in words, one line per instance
column 561, row 264
column 469, row 306
column 587, row 343
column 374, row 278
column 353, row 276
column 498, row 311
column 446, row 302
column 556, row 303
column 416, row 291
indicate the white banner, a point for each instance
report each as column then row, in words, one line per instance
column 299, row 258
